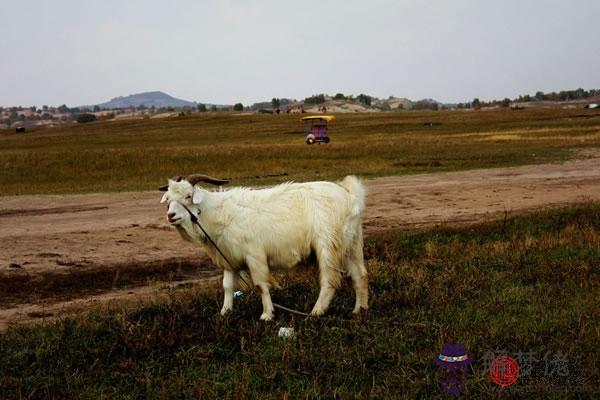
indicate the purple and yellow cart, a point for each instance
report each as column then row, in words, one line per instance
column 316, row 128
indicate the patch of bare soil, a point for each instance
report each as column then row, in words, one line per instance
column 65, row 253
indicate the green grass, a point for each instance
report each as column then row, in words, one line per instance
column 140, row 154
column 529, row 283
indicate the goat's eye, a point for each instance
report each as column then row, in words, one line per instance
column 188, row 197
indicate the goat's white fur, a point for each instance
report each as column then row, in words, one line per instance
column 277, row 228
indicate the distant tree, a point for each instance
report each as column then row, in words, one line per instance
column 238, row 107
column 63, row 108
column 364, row 99
column 505, row 102
column 316, row 99
column 96, row 109
column 539, row 95
column 170, row 109
column 580, row 93
column 476, row 103
column 45, row 107
column 201, row 107
column 339, row 96
column 275, row 103
column 84, row 118
column 33, row 108
column 213, row 108
column 426, row 105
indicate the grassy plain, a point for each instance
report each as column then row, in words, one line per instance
column 527, row 284
column 530, row 283
column 140, row 154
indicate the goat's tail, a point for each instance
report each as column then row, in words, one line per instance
column 357, row 190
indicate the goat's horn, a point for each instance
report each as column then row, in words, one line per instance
column 164, row 188
column 193, row 179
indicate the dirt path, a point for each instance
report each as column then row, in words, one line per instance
column 59, row 253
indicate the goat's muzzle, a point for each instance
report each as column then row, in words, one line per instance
column 172, row 217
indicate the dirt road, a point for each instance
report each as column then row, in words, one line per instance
column 63, row 252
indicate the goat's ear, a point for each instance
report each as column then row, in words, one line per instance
column 165, row 197
column 198, row 195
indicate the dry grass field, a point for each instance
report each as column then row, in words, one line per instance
column 139, row 154
column 451, row 273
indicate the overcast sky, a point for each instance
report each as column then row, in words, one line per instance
column 86, row 52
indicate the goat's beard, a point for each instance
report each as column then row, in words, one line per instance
column 195, row 236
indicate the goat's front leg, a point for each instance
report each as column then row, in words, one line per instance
column 230, row 281
column 259, row 271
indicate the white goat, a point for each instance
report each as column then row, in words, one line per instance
column 273, row 229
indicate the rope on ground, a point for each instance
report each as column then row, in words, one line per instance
column 291, row 310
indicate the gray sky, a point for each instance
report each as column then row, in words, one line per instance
column 86, row 52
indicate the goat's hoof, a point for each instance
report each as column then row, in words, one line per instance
column 317, row 312
column 266, row 317
column 359, row 310
column 225, row 311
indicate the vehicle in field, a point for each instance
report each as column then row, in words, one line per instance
column 316, row 128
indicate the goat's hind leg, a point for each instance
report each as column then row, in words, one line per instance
column 360, row 281
column 330, row 277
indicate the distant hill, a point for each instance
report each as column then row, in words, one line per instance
column 148, row 99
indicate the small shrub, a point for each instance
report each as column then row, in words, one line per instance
column 364, row 99
column 85, row 118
